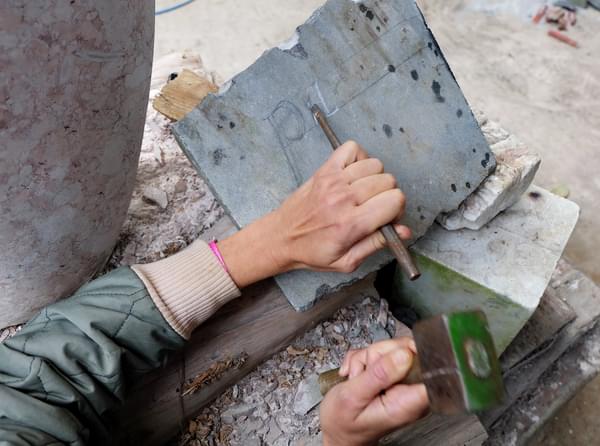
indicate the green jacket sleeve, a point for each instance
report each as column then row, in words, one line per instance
column 74, row 361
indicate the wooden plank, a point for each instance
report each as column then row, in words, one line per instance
column 258, row 325
column 551, row 316
column 555, row 387
column 178, row 97
column 534, row 378
column 439, row 430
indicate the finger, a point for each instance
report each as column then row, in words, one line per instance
column 404, row 232
column 380, row 210
column 367, row 187
column 346, row 154
column 379, row 376
column 366, row 247
column 363, row 358
column 358, row 364
column 398, row 406
column 345, row 367
column 363, row 168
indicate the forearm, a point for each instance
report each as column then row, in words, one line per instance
column 73, row 362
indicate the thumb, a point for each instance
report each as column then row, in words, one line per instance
column 370, row 245
column 400, row 405
column 381, row 375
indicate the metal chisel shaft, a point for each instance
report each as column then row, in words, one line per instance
column 391, row 236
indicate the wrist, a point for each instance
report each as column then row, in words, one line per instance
column 256, row 252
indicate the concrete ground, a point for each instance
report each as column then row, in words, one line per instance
column 543, row 91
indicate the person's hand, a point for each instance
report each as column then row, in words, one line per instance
column 329, row 224
column 371, row 403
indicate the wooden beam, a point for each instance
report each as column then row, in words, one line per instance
column 544, row 380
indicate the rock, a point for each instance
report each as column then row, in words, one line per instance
column 480, row 117
column 285, row 424
column 274, row 433
column 234, row 412
column 298, row 365
column 378, row 333
column 502, row 269
column 269, row 387
column 180, row 186
column 284, row 365
column 251, row 441
column 268, row 113
column 515, row 170
column 493, row 133
column 156, row 196
column 382, row 315
column 319, row 331
column 261, row 411
column 355, row 331
column 251, row 426
column 273, row 405
column 314, row 440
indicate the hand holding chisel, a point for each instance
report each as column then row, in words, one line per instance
column 389, row 233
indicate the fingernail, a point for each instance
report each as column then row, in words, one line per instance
column 401, row 357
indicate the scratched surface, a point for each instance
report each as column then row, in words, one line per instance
column 378, row 73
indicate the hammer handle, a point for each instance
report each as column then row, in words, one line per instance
column 389, row 233
column 331, row 378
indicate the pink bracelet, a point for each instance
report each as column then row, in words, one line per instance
column 215, row 249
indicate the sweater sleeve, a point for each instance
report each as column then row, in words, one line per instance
column 188, row 287
column 73, row 363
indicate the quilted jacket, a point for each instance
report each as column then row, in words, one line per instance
column 62, row 373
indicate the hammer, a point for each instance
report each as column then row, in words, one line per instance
column 456, row 361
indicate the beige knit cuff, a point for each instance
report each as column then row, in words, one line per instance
column 188, row 287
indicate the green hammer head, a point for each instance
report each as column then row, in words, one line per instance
column 459, row 365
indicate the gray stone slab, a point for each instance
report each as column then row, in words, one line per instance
column 383, row 81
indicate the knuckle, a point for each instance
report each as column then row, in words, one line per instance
column 352, row 145
column 399, row 198
column 380, row 372
column 331, row 200
column 350, row 265
column 352, row 229
column 378, row 165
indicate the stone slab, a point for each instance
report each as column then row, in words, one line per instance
column 516, row 167
column 502, row 269
column 380, row 76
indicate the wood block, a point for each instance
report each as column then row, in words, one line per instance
column 461, row 430
column 538, row 384
column 178, row 97
column 550, row 317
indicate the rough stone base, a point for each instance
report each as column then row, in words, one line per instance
column 502, row 269
column 515, row 169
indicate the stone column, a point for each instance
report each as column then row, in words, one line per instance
column 74, row 81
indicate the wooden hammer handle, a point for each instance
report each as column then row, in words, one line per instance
column 329, row 379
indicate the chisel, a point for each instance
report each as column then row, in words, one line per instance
column 391, row 236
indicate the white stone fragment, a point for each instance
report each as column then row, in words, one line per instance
column 515, row 170
column 493, row 133
column 156, row 196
